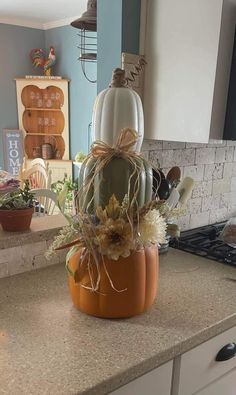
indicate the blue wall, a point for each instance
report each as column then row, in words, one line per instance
column 118, row 24
column 15, row 45
column 81, row 92
column 109, row 31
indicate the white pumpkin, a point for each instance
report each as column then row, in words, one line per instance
column 116, row 108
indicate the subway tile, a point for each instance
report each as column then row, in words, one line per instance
column 210, row 203
column 205, row 156
column 194, row 206
column 216, row 143
column 233, row 185
column 196, row 145
column 224, row 154
column 231, row 143
column 156, row 158
column 173, row 145
column 213, row 171
column 196, row 172
column 152, row 145
column 221, row 186
column 229, row 170
column 227, row 199
column 184, row 157
column 183, row 222
column 202, row 189
column 219, row 215
column 231, row 211
column 200, row 219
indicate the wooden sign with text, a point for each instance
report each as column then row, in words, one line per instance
column 13, row 150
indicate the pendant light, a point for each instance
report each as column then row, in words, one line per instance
column 87, row 24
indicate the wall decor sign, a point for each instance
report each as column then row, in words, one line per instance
column 13, row 150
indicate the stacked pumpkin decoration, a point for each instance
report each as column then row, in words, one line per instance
column 113, row 264
column 116, row 108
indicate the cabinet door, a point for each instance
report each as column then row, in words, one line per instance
column 182, row 44
column 156, row 382
column 225, row 385
column 198, row 368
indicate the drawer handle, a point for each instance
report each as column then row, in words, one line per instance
column 227, row 352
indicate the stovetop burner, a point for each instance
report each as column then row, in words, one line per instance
column 205, row 242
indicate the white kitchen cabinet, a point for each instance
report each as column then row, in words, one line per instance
column 197, row 372
column 156, row 382
column 223, row 386
column 188, row 49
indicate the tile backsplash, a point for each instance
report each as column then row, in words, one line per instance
column 213, row 168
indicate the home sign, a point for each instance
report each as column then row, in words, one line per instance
column 13, row 150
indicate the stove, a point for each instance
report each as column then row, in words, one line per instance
column 205, row 242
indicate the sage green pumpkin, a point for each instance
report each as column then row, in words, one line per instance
column 115, row 178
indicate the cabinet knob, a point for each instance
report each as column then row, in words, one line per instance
column 227, row 352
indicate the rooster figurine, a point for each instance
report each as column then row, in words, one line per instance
column 38, row 58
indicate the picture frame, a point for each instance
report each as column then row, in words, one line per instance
column 13, row 150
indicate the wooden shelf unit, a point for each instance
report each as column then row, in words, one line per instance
column 43, row 117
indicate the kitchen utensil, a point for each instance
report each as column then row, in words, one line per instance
column 173, row 198
column 174, row 175
column 185, row 188
column 164, row 189
column 158, row 175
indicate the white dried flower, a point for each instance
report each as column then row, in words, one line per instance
column 152, row 228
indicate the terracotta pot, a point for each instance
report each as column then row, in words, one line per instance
column 138, row 274
column 16, row 220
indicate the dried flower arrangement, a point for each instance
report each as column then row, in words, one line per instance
column 117, row 225
column 114, row 231
column 118, row 228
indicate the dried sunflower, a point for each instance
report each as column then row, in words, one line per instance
column 115, row 238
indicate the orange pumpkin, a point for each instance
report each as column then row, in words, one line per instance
column 137, row 274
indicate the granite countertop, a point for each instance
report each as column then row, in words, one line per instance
column 48, row 347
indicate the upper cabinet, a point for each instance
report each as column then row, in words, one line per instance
column 188, row 49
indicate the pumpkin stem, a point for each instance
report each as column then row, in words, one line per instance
column 118, row 79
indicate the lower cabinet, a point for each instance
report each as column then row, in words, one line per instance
column 156, row 382
column 198, row 372
column 225, row 385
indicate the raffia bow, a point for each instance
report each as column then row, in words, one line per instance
column 126, row 140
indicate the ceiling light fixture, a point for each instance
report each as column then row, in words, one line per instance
column 87, row 24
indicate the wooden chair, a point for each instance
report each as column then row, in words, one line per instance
column 47, row 203
column 37, row 175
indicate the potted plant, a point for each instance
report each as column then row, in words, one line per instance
column 16, row 209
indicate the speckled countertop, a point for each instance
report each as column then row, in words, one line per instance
column 48, row 347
